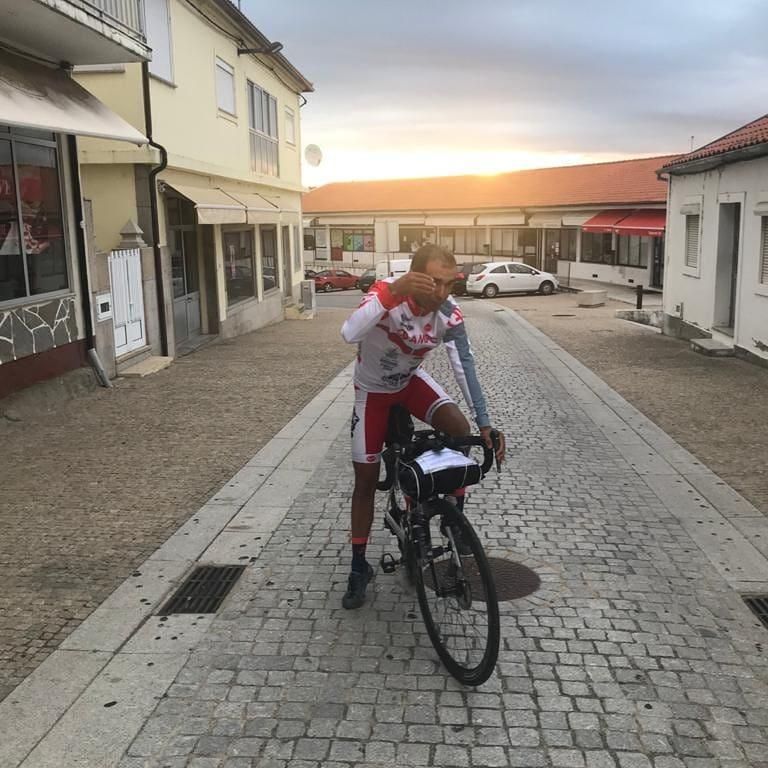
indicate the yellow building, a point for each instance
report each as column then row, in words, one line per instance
column 221, row 180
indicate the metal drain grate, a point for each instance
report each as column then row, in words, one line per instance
column 513, row 580
column 758, row 604
column 204, row 589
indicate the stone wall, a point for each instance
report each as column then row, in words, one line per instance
column 35, row 328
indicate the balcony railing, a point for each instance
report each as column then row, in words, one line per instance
column 125, row 14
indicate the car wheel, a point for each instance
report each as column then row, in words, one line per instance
column 490, row 291
column 547, row 288
column 327, row 287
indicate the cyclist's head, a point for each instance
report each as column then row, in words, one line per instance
column 440, row 265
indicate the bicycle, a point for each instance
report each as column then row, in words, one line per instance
column 443, row 556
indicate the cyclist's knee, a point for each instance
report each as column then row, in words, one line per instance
column 449, row 419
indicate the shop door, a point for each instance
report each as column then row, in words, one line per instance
column 287, row 266
column 186, row 282
column 127, row 300
column 657, row 267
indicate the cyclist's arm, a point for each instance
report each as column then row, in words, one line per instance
column 375, row 304
column 463, row 364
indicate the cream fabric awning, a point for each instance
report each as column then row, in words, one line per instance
column 36, row 96
column 213, row 206
column 352, row 220
column 258, row 210
column 512, row 219
column 576, row 220
column 545, row 221
column 456, row 220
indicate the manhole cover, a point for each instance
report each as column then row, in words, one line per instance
column 204, row 590
column 513, row 580
column 759, row 606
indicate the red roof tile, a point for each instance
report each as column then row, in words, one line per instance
column 748, row 135
column 626, row 181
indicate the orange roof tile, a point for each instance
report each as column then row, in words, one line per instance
column 748, row 135
column 626, row 181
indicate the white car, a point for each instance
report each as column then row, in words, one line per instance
column 492, row 278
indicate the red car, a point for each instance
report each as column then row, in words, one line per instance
column 329, row 279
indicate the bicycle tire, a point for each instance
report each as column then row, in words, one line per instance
column 475, row 573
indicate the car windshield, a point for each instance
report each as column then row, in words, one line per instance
column 478, row 268
column 369, row 273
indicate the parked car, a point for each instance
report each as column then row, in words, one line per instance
column 366, row 280
column 492, row 278
column 309, row 274
column 329, row 279
column 460, row 286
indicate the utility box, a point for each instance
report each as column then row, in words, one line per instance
column 308, row 294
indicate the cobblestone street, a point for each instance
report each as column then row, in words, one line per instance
column 637, row 651
column 92, row 488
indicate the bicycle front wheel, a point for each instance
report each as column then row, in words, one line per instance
column 457, row 597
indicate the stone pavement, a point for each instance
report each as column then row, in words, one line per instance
column 637, row 651
column 93, row 485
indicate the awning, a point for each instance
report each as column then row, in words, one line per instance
column 455, row 220
column 36, row 96
column 512, row 219
column 258, row 209
column 545, row 221
column 213, row 206
column 576, row 219
column 605, row 221
column 650, row 222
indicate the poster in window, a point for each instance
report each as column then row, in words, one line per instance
column 368, row 241
column 348, row 241
column 337, row 238
column 357, row 242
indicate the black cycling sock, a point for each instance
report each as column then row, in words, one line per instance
column 359, row 563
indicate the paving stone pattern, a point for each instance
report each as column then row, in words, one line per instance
column 633, row 654
column 89, row 490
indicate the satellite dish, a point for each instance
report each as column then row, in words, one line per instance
column 313, row 154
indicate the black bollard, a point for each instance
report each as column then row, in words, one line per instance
column 639, row 296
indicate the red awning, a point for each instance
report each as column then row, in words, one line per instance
column 605, row 221
column 649, row 222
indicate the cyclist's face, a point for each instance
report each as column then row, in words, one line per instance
column 443, row 277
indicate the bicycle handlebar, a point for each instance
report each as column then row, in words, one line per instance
column 422, row 439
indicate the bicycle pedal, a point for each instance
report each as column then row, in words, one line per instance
column 388, row 563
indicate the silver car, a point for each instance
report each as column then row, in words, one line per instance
column 492, row 278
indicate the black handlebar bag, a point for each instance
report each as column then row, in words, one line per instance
column 433, row 472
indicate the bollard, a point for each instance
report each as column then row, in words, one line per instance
column 639, row 297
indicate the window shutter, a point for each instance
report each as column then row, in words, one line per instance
column 764, row 251
column 692, row 241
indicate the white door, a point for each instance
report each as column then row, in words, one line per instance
column 522, row 278
column 127, row 300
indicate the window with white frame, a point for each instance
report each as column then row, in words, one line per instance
column 158, row 23
column 290, row 125
column 225, row 86
column 692, row 240
column 764, row 250
column 262, row 121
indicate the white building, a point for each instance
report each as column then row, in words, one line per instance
column 601, row 222
column 716, row 275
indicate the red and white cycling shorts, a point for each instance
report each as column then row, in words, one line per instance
column 422, row 396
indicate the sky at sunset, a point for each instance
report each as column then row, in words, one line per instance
column 440, row 87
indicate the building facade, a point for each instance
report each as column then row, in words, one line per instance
column 46, row 324
column 225, row 128
column 600, row 222
column 717, row 243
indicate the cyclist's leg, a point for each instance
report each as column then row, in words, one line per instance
column 369, row 427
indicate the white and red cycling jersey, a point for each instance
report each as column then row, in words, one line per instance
column 394, row 335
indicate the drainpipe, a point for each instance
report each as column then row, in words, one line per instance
column 82, row 263
column 153, row 208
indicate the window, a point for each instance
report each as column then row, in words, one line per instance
column 597, row 247
column 238, row 265
column 268, row 257
column 462, row 241
column 498, row 270
column 296, row 250
column 520, row 269
column 634, row 250
column 262, row 121
column 356, row 239
column 692, row 240
column 33, row 256
column 158, row 21
column 513, row 242
column 290, row 125
column 411, row 239
column 764, row 250
column 225, row 86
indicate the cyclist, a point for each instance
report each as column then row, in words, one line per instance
column 397, row 323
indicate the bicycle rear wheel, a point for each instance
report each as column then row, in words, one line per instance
column 457, row 597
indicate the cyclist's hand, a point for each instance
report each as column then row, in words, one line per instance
column 501, row 449
column 415, row 284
